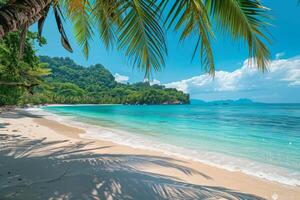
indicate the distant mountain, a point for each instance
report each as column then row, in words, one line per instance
column 229, row 101
column 224, row 102
column 71, row 83
column 197, row 102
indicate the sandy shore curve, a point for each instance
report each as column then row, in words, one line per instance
column 42, row 158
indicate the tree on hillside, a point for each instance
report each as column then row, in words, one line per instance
column 72, row 83
column 137, row 26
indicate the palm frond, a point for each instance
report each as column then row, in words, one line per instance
column 107, row 16
column 41, row 22
column 192, row 19
column 244, row 19
column 64, row 39
column 79, row 12
column 141, row 35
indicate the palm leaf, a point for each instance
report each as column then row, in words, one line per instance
column 107, row 15
column 141, row 35
column 244, row 19
column 191, row 18
column 79, row 12
column 41, row 23
column 64, row 40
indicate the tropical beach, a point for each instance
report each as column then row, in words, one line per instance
column 43, row 158
column 149, row 100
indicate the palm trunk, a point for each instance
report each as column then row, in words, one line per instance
column 14, row 16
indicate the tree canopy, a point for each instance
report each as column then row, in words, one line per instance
column 72, row 83
column 19, row 76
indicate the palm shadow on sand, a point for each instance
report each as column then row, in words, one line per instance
column 39, row 169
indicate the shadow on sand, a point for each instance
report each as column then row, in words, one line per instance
column 16, row 114
column 39, row 169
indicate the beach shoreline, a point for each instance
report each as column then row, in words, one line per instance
column 34, row 127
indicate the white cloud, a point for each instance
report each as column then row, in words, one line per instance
column 121, row 78
column 155, row 82
column 152, row 82
column 279, row 55
column 280, row 83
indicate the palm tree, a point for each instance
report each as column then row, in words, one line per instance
column 137, row 26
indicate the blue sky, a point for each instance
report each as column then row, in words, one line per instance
column 229, row 58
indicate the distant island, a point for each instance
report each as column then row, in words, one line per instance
column 224, row 102
column 70, row 83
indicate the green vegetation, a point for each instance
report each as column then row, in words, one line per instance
column 25, row 80
column 71, row 83
column 19, row 72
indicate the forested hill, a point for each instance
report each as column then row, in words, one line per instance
column 72, row 83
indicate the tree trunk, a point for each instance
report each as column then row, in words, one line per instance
column 16, row 15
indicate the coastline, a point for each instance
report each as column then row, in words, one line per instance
column 173, row 168
column 80, row 104
column 130, row 136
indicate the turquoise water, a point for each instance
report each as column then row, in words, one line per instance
column 261, row 140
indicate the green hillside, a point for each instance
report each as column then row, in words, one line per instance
column 72, row 83
column 26, row 78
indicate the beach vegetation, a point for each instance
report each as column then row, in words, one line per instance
column 19, row 74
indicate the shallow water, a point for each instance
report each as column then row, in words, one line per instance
column 259, row 139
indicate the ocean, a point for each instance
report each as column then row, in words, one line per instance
column 262, row 140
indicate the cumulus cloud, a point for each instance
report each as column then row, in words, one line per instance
column 155, row 82
column 280, row 84
column 279, row 55
column 152, row 82
column 121, row 78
